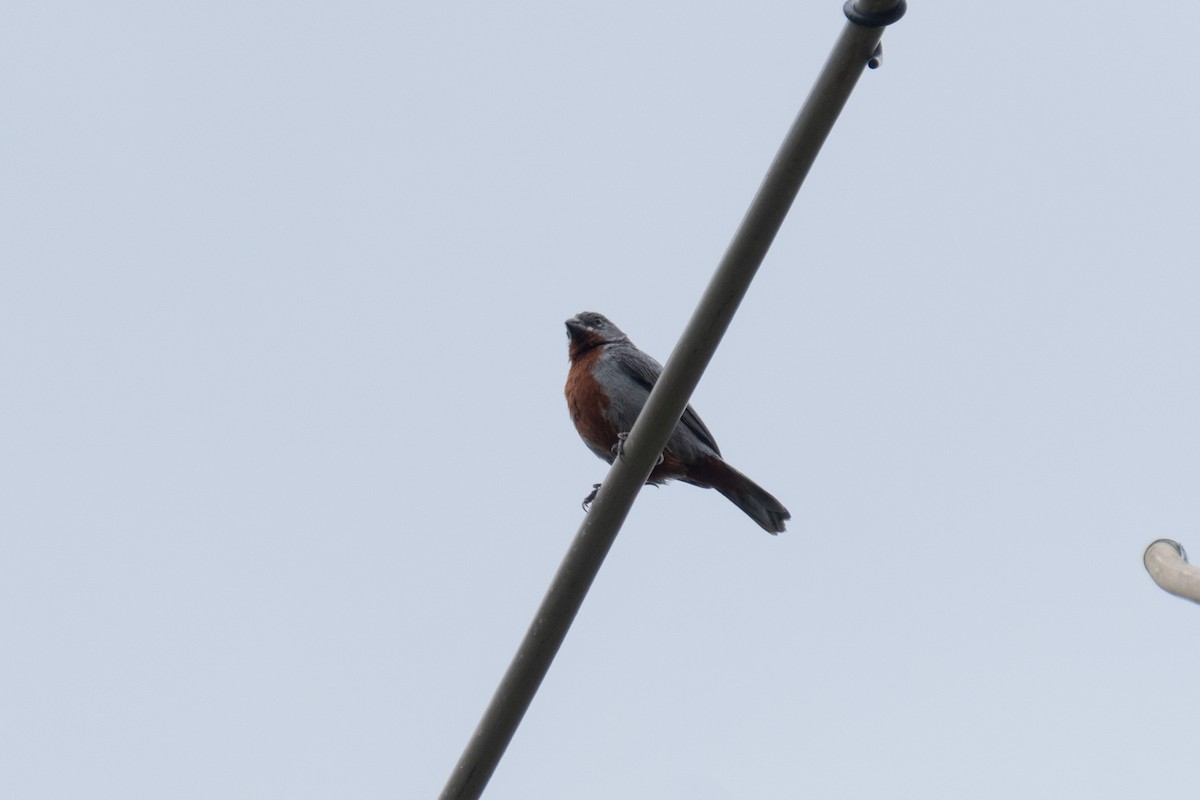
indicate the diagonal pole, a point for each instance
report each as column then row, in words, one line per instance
column 1167, row 564
column 854, row 48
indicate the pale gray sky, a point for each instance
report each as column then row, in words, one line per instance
column 286, row 466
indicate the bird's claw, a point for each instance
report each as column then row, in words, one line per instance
column 618, row 449
column 587, row 501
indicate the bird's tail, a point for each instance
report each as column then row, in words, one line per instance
column 744, row 493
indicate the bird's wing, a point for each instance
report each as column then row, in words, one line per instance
column 644, row 371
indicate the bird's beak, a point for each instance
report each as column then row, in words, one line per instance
column 575, row 327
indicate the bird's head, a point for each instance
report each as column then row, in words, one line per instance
column 587, row 329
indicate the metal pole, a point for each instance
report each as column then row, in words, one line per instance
column 854, row 48
column 1167, row 564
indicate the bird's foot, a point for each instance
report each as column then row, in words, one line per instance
column 587, row 501
column 618, row 449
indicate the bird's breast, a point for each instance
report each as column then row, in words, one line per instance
column 587, row 402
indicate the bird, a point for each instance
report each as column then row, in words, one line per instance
column 609, row 381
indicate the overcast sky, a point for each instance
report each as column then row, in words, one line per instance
column 286, row 466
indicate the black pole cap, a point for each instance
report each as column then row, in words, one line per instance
column 869, row 19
